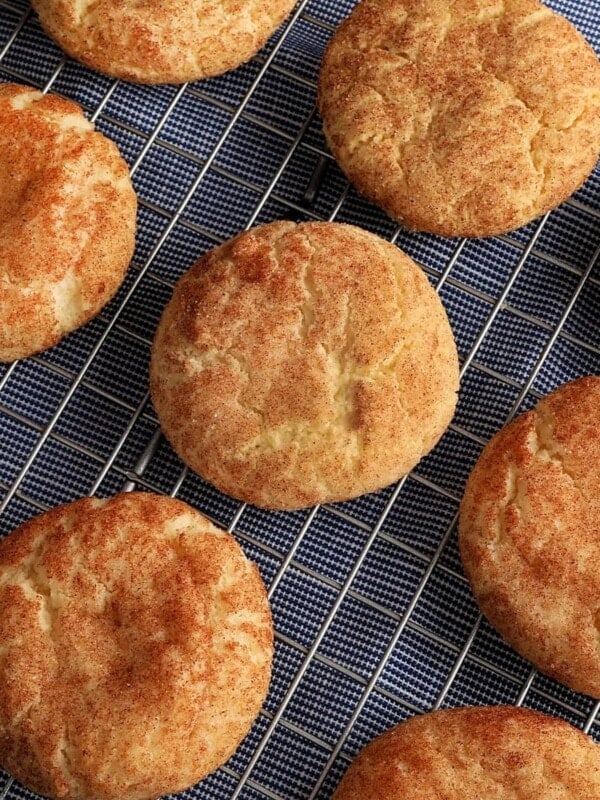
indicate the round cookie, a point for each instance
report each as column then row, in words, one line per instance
column 299, row 364
column 461, row 117
column 135, row 648
column 159, row 41
column 494, row 752
column 67, row 220
column 529, row 534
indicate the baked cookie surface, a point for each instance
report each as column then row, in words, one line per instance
column 136, row 644
column 67, row 220
column 474, row 753
column 529, row 534
column 158, row 41
column 299, row 364
column 461, row 117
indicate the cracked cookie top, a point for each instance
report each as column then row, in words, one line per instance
column 530, row 534
column 135, row 648
column 299, row 364
column 461, row 117
column 493, row 752
column 67, row 220
column 159, row 41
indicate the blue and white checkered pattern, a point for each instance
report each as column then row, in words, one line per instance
column 374, row 618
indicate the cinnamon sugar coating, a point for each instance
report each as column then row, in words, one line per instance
column 474, row 753
column 461, row 117
column 158, row 41
column 530, row 534
column 67, row 220
column 299, row 364
column 135, row 648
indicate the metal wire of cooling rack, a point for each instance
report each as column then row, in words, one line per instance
column 374, row 619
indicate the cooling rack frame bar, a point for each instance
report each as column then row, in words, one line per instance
column 248, row 777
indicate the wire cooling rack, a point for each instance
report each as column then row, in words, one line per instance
column 375, row 621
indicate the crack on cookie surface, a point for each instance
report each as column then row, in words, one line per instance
column 373, row 112
column 156, row 42
column 67, row 220
column 322, row 316
column 142, row 630
column 527, row 534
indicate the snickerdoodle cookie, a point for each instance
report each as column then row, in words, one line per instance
column 299, row 364
column 490, row 752
column 530, row 534
column 135, row 648
column 67, row 220
column 461, row 117
column 155, row 41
